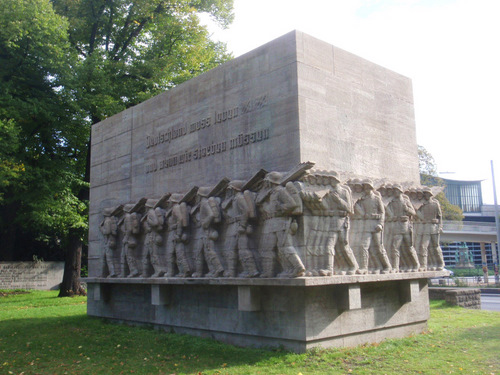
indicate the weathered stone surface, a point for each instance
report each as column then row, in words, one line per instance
column 31, row 275
column 291, row 100
column 468, row 298
column 297, row 318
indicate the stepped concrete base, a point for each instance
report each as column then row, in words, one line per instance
column 297, row 314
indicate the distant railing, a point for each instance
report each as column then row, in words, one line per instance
column 464, row 226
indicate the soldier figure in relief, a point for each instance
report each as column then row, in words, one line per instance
column 430, row 253
column 313, row 222
column 238, row 209
column 154, row 221
column 399, row 212
column 131, row 227
column 177, row 223
column 371, row 209
column 278, row 204
column 109, row 229
column 338, row 207
column 208, row 215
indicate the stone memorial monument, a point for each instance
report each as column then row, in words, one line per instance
column 263, row 203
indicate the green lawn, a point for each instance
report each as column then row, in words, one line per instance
column 43, row 334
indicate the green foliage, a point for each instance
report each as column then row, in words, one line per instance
column 65, row 65
column 450, row 211
column 429, row 177
column 67, row 340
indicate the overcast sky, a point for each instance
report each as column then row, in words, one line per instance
column 449, row 48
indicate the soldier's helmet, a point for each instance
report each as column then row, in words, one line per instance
column 150, row 203
column 334, row 176
column 236, row 185
column 175, row 198
column 427, row 190
column 128, row 207
column 107, row 211
column 368, row 182
column 204, row 191
column 398, row 187
column 274, row 177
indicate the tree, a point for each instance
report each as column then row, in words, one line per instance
column 38, row 143
column 129, row 51
column 429, row 177
column 66, row 65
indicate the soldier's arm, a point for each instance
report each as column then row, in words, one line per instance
column 410, row 210
column 381, row 210
column 358, row 209
column 344, row 201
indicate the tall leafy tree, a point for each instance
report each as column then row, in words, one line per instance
column 66, row 65
column 126, row 52
column 38, row 144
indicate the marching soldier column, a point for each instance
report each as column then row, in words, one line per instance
column 298, row 223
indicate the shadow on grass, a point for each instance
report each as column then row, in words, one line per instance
column 118, row 347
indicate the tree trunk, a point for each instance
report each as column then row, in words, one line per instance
column 71, row 284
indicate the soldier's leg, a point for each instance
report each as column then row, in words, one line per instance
column 411, row 257
column 328, row 254
column 182, row 261
column 380, row 252
column 437, row 252
column 170, row 261
column 266, row 249
column 213, row 261
column 424, row 251
column 397, row 240
column 123, row 261
column 230, row 254
column 199, row 257
column 132, row 261
column 347, row 253
column 289, row 254
column 246, row 258
column 364, row 245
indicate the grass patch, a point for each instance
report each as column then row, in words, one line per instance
column 43, row 334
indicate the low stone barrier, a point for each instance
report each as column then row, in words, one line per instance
column 468, row 298
column 31, row 275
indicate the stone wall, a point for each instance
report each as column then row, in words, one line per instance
column 31, row 275
column 468, row 298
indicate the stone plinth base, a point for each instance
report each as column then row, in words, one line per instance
column 297, row 314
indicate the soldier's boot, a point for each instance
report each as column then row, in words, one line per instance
column 351, row 261
column 134, row 268
column 183, row 265
column 423, row 263
column 145, row 267
column 298, row 267
column 386, row 264
column 232, row 263
column 395, row 263
column 170, row 266
column 250, row 269
column 198, row 265
column 112, row 269
column 267, row 267
column 363, row 264
column 309, row 265
column 328, row 262
column 415, row 265
column 214, row 266
column 439, row 258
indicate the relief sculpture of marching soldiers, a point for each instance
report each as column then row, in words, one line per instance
column 297, row 223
